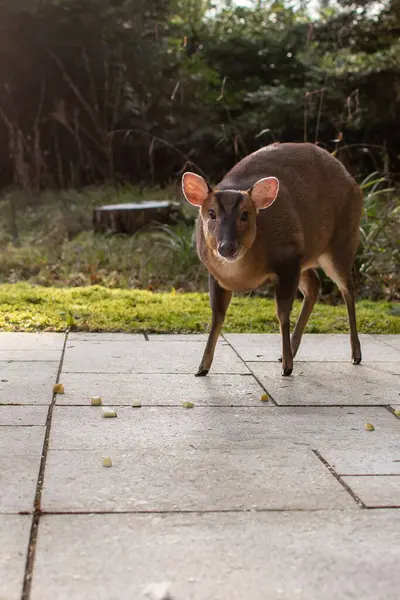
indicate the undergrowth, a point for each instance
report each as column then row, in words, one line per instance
column 54, row 244
column 48, row 240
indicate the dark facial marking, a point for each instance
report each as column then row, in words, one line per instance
column 228, row 202
column 228, row 208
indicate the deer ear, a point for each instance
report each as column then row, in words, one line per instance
column 264, row 192
column 195, row 188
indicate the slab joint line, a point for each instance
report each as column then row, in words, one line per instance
column 336, row 475
column 30, row 557
column 255, row 376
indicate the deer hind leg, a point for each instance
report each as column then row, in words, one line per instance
column 339, row 270
column 309, row 285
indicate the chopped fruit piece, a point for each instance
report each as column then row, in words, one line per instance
column 96, row 400
column 109, row 413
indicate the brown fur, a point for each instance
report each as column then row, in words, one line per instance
column 314, row 221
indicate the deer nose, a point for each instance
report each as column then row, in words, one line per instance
column 227, row 249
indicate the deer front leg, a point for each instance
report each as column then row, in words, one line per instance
column 219, row 301
column 285, row 293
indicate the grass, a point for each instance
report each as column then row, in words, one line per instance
column 24, row 307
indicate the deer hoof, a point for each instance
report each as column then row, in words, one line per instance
column 201, row 372
column 286, row 371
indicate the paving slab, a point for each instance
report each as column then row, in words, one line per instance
column 27, row 382
column 371, row 456
column 314, row 347
column 18, row 441
column 178, row 337
column 256, row 346
column 10, row 340
column 198, row 459
column 26, row 416
column 222, row 429
column 211, row 458
column 285, row 528
column 334, row 383
column 391, row 339
column 183, row 478
column 146, row 357
column 14, row 537
column 259, row 556
column 101, row 337
column 20, row 451
column 161, row 389
column 377, row 491
column 30, row 355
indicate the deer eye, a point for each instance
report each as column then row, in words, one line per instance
column 212, row 214
column 244, row 216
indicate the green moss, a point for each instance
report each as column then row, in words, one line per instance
column 31, row 308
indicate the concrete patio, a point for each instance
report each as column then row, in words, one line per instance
column 234, row 499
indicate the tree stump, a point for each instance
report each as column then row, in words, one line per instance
column 129, row 218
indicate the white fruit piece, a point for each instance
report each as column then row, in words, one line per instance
column 158, row 591
column 109, row 413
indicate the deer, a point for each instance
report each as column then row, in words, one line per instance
column 277, row 215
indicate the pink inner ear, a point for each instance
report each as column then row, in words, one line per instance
column 194, row 188
column 264, row 192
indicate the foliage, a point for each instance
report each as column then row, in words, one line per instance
column 148, row 89
column 70, row 83
column 379, row 255
column 34, row 308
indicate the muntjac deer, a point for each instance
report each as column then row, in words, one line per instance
column 277, row 215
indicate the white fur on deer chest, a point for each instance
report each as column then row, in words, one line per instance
column 237, row 276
